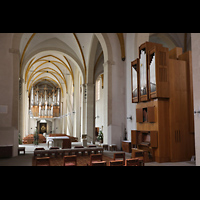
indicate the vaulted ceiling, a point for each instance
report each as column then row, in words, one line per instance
column 53, row 57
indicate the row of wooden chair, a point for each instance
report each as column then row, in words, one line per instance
column 125, row 162
column 95, row 160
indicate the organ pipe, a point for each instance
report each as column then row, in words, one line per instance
column 44, row 100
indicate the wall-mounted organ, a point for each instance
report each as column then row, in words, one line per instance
column 164, row 112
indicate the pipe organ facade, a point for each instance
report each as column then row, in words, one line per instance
column 45, row 102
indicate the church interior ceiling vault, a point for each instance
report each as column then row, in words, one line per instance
column 54, row 65
column 43, row 61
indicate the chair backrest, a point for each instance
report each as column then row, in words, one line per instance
column 120, row 155
column 95, row 157
column 39, row 149
column 132, row 162
column 99, row 163
column 78, row 147
column 92, row 145
column 54, row 148
column 69, row 159
column 44, row 161
column 116, row 163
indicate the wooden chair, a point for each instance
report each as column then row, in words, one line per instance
column 39, row 148
column 92, row 145
column 70, row 160
column 39, row 153
column 116, row 163
column 53, row 153
column 105, row 147
column 113, row 147
column 43, row 161
column 120, row 155
column 81, row 150
column 54, row 148
column 132, row 162
column 99, row 163
column 95, row 158
column 94, row 151
column 78, row 146
column 141, row 162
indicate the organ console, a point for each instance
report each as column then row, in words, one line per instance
column 45, row 103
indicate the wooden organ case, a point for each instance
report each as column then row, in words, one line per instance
column 164, row 110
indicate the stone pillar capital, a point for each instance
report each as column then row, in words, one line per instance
column 108, row 62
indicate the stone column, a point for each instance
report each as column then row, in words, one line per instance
column 69, row 115
column 90, row 112
column 107, row 100
column 114, row 102
column 83, row 109
column 21, row 107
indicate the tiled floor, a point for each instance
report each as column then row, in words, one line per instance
column 26, row 160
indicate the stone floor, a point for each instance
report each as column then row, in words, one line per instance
column 26, row 160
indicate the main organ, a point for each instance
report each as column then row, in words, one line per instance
column 45, row 103
column 162, row 88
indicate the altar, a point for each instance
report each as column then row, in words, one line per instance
column 57, row 140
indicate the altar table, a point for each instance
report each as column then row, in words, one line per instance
column 57, row 141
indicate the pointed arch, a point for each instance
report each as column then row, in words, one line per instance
column 121, row 41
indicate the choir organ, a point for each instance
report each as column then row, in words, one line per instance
column 161, row 83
